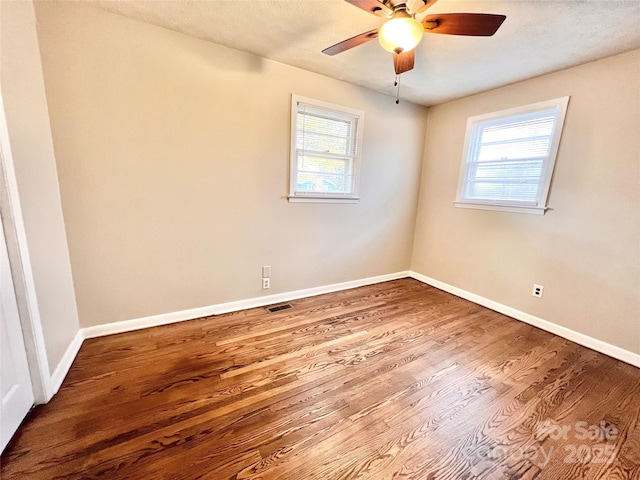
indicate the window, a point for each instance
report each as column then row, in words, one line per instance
column 326, row 141
column 509, row 156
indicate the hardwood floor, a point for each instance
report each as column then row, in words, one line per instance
column 395, row 380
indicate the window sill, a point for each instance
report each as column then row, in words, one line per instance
column 321, row 199
column 502, row 208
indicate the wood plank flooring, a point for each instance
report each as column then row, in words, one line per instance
column 397, row 380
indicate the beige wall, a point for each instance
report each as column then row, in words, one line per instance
column 586, row 250
column 173, row 162
column 35, row 168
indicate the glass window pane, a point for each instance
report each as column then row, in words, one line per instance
column 324, row 157
column 513, row 150
column 322, row 143
column 507, row 156
column 325, row 165
column 322, row 134
column 525, row 126
column 324, row 183
column 530, row 170
column 498, row 191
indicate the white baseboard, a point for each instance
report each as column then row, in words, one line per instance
column 64, row 364
column 146, row 322
column 69, row 356
column 166, row 318
column 564, row 332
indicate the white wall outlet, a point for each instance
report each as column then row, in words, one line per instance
column 266, row 283
column 266, row 271
column 537, row 291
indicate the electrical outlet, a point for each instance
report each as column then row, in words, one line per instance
column 266, row 271
column 537, row 291
column 266, row 283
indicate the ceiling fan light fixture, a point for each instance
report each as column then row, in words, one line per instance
column 400, row 34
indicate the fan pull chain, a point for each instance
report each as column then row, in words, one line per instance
column 397, row 84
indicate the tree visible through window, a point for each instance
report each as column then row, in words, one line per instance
column 325, row 151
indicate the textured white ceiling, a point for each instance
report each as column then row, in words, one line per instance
column 538, row 37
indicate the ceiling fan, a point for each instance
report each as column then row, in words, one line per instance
column 401, row 33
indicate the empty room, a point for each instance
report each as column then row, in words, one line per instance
column 324, row 239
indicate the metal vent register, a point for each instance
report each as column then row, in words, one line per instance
column 277, row 308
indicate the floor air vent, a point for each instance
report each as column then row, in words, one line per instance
column 277, row 308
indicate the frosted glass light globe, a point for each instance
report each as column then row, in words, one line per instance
column 400, row 34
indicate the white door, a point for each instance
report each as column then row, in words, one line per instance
column 15, row 383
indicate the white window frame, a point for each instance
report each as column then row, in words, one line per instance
column 539, row 207
column 320, row 197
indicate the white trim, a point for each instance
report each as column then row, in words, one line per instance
column 166, row 318
column 560, row 104
column 501, row 208
column 316, row 197
column 310, row 199
column 146, row 322
column 21, row 269
column 218, row 309
column 58, row 375
column 564, row 332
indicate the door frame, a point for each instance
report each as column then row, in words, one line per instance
column 20, row 262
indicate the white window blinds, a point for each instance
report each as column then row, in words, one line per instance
column 326, row 151
column 509, row 159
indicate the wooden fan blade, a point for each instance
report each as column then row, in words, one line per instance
column 351, row 42
column 427, row 4
column 372, row 6
column 472, row 24
column 403, row 62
